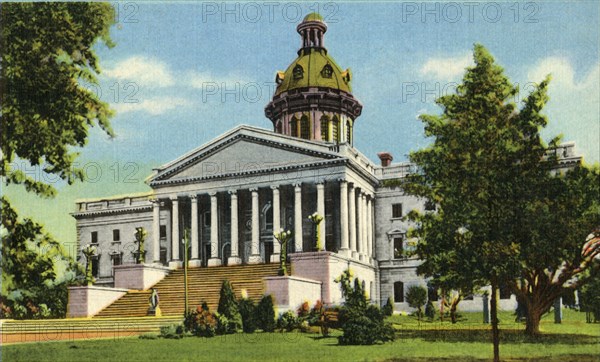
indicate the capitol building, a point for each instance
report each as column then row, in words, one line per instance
column 233, row 192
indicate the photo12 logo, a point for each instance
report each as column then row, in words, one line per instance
column 470, row 12
column 270, row 11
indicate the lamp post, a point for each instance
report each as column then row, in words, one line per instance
column 185, row 241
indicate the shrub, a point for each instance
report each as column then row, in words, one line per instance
column 416, row 296
column 430, row 310
column 265, row 313
column 288, row 321
column 303, row 311
column 201, row 322
column 148, row 336
column 362, row 324
column 223, row 325
column 388, row 308
column 248, row 313
column 173, row 331
column 228, row 307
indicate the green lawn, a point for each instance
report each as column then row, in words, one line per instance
column 574, row 340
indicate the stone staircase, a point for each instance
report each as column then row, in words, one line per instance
column 204, row 284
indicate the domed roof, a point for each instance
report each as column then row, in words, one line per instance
column 313, row 17
column 314, row 68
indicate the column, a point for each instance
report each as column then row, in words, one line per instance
column 234, row 259
column 175, row 262
column 214, row 231
column 298, row 217
column 362, row 230
column 276, row 224
column 321, row 212
column 369, row 228
column 255, row 251
column 156, row 230
column 344, row 250
column 352, row 214
column 195, row 259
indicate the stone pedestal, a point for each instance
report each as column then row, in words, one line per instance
column 290, row 292
column 234, row 260
column 255, row 259
column 138, row 276
column 175, row 264
column 214, row 262
column 89, row 300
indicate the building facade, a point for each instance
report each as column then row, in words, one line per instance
column 232, row 193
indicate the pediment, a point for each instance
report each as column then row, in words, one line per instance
column 240, row 153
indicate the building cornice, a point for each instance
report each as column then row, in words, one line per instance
column 105, row 212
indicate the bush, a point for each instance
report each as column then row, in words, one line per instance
column 430, row 310
column 201, row 322
column 416, row 296
column 303, row 311
column 288, row 321
column 248, row 313
column 388, row 308
column 265, row 313
column 228, row 308
column 173, row 331
column 362, row 324
column 148, row 336
column 223, row 325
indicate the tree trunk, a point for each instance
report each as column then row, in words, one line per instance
column 494, row 316
column 532, row 325
column 453, row 308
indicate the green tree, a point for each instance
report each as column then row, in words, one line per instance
column 228, row 306
column 416, row 296
column 46, row 59
column 265, row 313
column 484, row 153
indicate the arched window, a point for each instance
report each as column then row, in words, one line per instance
column 349, row 132
column 304, row 128
column 325, row 128
column 294, row 126
column 298, row 72
column 335, row 126
column 327, row 71
column 399, row 292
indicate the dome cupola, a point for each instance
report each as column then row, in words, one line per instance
column 313, row 98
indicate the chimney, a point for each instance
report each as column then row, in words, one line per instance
column 386, row 158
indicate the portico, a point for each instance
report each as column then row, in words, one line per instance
column 235, row 226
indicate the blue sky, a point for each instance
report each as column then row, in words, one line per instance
column 171, row 63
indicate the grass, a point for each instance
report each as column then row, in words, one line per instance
column 573, row 340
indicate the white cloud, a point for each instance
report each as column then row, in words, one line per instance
column 142, row 70
column 199, row 80
column 574, row 106
column 446, row 68
column 154, row 106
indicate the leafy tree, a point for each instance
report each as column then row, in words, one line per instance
column 228, row 307
column 248, row 313
column 416, row 296
column 590, row 296
column 388, row 308
column 29, row 270
column 46, row 111
column 479, row 170
column 265, row 313
column 558, row 219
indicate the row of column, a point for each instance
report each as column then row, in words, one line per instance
column 355, row 215
column 356, row 221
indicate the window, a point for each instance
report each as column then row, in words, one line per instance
column 298, row 72
column 95, row 263
column 396, row 211
column 163, row 231
column 399, row 292
column 348, row 132
column 207, row 219
column 116, row 235
column 94, row 237
column 430, row 205
column 294, row 127
column 327, row 71
column 304, row 128
column 325, row 128
column 335, row 125
column 398, row 248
